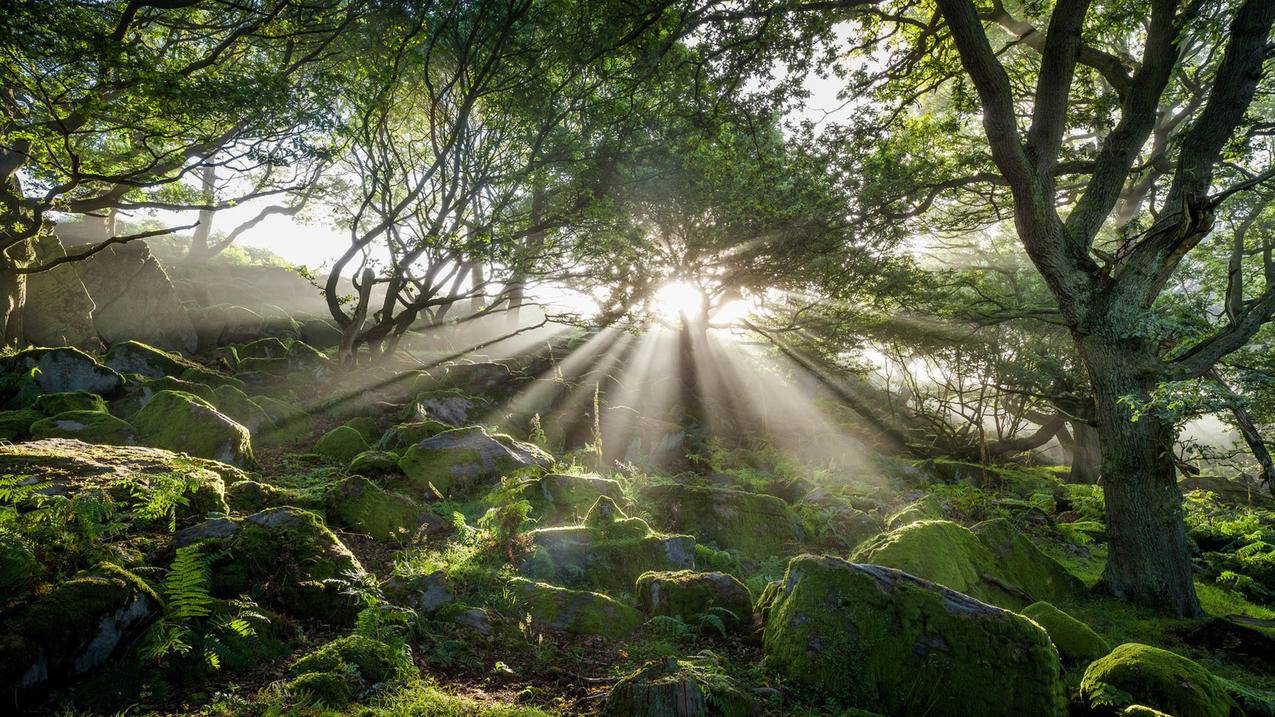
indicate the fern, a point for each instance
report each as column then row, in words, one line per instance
column 186, row 587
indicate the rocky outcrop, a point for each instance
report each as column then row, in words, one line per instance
column 364, row 507
column 752, row 523
column 1140, row 674
column 556, row 496
column 183, row 422
column 135, row 299
column 690, row 596
column 881, row 640
column 575, row 611
column 467, row 458
column 65, row 369
column 58, row 309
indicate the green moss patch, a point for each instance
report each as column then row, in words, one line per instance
column 1143, row 675
column 1076, row 641
column 753, row 523
column 575, row 611
column 182, row 422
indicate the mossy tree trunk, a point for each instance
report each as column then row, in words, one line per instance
column 1149, row 558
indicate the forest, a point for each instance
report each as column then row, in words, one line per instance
column 656, row 358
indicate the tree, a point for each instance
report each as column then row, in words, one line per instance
column 1115, row 169
column 116, row 105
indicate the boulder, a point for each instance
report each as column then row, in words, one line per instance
column 51, row 404
column 224, row 324
column 364, row 507
column 557, row 496
column 317, row 332
column 669, row 688
column 248, row 496
column 341, row 444
column 1143, row 675
column 15, row 425
column 354, row 656
column 65, row 369
column 365, row 425
column 76, row 628
column 270, row 347
column 452, row 407
column 288, row 422
column 65, row 467
column 422, row 593
column 322, row 688
column 374, row 463
column 183, row 422
column 1077, row 643
column 689, row 595
column 403, row 435
column 574, row 611
column 467, row 458
column 137, row 357
column 136, row 300
column 877, row 639
column 58, row 310
column 753, row 523
column 236, row 404
column 609, row 550
column 285, row 556
column 87, row 426
column 927, row 508
column 1013, row 575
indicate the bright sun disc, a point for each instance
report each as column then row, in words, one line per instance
column 677, row 299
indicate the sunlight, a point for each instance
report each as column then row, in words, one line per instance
column 676, row 300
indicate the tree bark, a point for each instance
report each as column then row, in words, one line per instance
column 1148, row 560
column 1086, row 453
column 200, row 251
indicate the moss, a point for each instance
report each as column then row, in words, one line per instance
column 269, row 347
column 1140, row 674
column 406, row 434
column 182, row 422
column 755, row 524
column 250, row 496
column 363, row 506
column 606, row 554
column 374, row 463
column 137, row 357
column 236, row 404
column 927, row 508
column 64, row 369
column 326, row 688
column 51, row 404
column 1076, row 641
column 689, row 595
column 18, row 566
column 678, row 687
column 874, row 638
column 575, row 611
column 1006, row 570
column 17, row 424
column 366, row 426
column 556, row 496
column 373, row 660
column 87, row 426
column 341, row 444
column 465, row 458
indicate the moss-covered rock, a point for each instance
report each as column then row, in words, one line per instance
column 365, row 507
column 182, row 422
column 137, row 357
column 251, row 496
column 65, row 369
column 236, row 404
column 927, row 508
column 341, row 444
column 878, row 639
column 139, row 390
column 1021, row 563
column 575, row 611
column 366, row 426
column 374, row 463
column 467, row 458
column 325, row 688
column 15, row 425
column 678, row 688
column 1013, row 575
column 450, row 406
column 51, row 404
column 268, row 347
column 557, row 497
column 1077, row 643
column 76, row 628
column 358, row 657
column 689, row 595
column 753, row 523
column 288, row 423
column 610, row 550
column 18, row 566
column 66, row 467
column 403, row 435
column 285, row 556
column 1137, row 674
column 87, row 426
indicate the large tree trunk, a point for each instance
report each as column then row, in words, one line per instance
column 200, row 249
column 1086, row 453
column 1148, row 560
